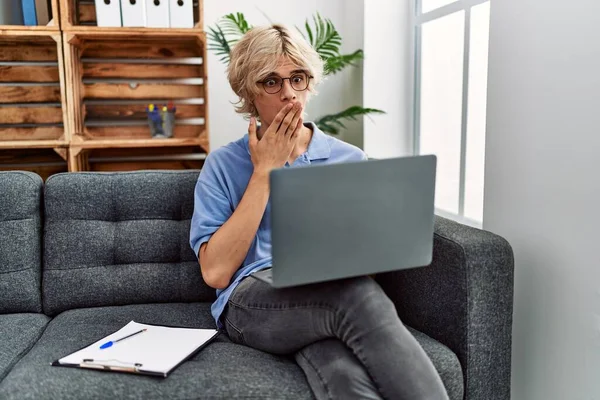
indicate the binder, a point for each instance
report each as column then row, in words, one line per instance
column 42, row 12
column 29, row 15
column 108, row 12
column 133, row 12
column 156, row 352
column 181, row 13
column 11, row 13
column 157, row 13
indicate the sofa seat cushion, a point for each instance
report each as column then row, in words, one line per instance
column 222, row 370
column 18, row 333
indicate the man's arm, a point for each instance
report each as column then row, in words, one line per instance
column 226, row 250
column 222, row 255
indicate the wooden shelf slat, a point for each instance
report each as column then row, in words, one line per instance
column 142, row 91
column 137, row 111
column 139, row 71
column 130, row 29
column 29, row 73
column 41, row 114
column 132, row 143
column 107, row 33
column 25, row 28
column 29, row 94
column 30, row 133
column 32, row 144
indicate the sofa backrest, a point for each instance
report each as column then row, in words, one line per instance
column 20, row 242
column 119, row 238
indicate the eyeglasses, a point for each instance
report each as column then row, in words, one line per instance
column 274, row 84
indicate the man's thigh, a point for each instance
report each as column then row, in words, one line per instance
column 284, row 320
column 280, row 321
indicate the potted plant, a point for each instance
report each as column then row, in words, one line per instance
column 322, row 36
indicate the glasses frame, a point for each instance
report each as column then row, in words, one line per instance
column 308, row 78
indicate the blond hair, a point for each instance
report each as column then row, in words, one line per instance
column 259, row 53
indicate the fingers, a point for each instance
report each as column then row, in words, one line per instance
column 285, row 124
column 252, row 138
column 280, row 115
column 296, row 132
column 292, row 127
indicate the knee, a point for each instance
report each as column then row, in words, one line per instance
column 337, row 371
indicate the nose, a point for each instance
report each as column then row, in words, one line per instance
column 287, row 92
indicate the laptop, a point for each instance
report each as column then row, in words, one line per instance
column 338, row 221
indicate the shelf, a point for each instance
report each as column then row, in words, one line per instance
column 135, row 143
column 113, row 77
column 42, row 161
column 171, row 36
column 124, row 159
column 33, row 108
column 32, row 144
column 80, row 16
column 102, row 30
column 24, row 28
column 53, row 25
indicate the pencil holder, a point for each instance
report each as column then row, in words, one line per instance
column 168, row 118
column 154, row 121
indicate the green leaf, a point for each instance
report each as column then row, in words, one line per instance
column 334, row 122
column 226, row 33
column 337, row 63
column 309, row 32
column 235, row 25
column 218, row 42
column 323, row 37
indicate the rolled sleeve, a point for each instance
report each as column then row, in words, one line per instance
column 211, row 210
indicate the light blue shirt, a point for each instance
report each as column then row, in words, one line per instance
column 221, row 186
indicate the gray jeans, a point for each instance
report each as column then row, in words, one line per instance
column 346, row 336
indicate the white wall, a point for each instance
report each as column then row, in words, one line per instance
column 336, row 93
column 542, row 188
column 388, row 77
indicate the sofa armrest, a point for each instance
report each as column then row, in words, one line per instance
column 463, row 299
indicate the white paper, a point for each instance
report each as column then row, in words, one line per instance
column 159, row 349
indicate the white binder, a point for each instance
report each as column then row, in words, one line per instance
column 108, row 12
column 157, row 13
column 134, row 12
column 181, row 13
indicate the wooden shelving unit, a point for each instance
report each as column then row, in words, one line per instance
column 99, row 81
column 33, row 108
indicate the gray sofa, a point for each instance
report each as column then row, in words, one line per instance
column 85, row 253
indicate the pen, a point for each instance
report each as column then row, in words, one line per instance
column 110, row 343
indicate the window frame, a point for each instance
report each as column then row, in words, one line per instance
column 418, row 20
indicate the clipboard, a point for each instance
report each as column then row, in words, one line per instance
column 158, row 353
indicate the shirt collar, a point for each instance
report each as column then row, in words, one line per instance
column 318, row 148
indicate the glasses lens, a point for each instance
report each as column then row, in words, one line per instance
column 272, row 84
column 299, row 81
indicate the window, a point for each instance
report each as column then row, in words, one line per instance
column 451, row 42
